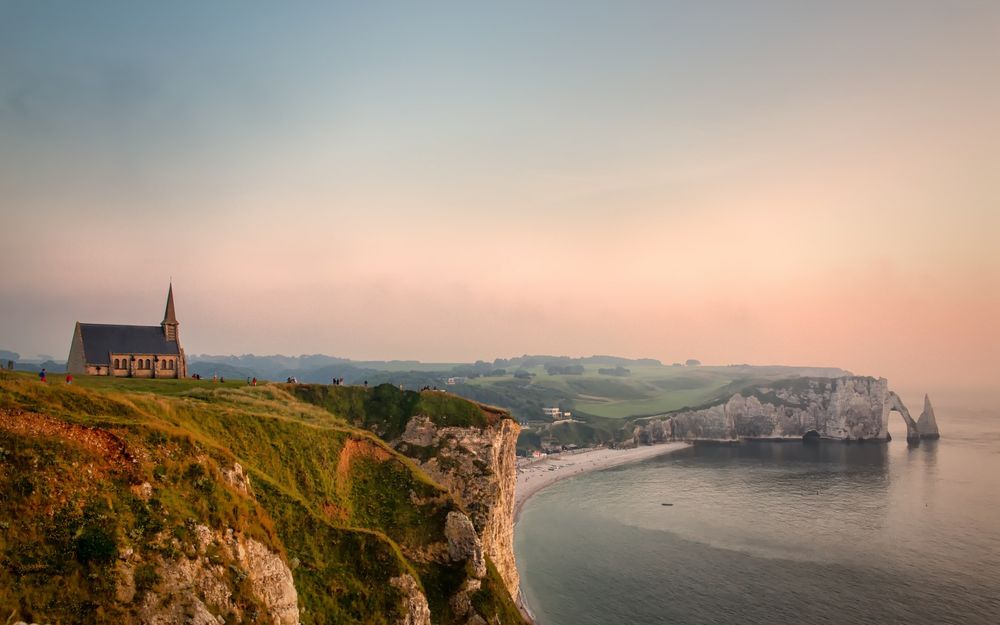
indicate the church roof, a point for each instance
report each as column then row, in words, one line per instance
column 168, row 315
column 100, row 340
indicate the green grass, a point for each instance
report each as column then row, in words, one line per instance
column 646, row 391
column 385, row 409
column 328, row 495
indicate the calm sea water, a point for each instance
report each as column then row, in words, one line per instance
column 775, row 533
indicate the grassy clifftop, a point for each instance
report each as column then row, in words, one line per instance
column 106, row 471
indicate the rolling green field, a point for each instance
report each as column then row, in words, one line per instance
column 647, row 390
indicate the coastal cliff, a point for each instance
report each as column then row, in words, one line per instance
column 850, row 408
column 470, row 450
column 193, row 502
column 478, row 466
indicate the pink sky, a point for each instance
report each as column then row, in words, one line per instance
column 783, row 186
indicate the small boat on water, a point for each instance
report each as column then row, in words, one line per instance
column 666, row 504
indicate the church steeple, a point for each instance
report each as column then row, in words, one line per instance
column 169, row 323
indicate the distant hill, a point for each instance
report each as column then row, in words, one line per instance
column 600, row 391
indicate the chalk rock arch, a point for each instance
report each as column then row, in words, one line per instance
column 895, row 403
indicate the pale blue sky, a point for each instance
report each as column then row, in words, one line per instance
column 461, row 180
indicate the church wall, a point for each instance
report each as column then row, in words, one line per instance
column 121, row 371
column 128, row 367
column 76, row 363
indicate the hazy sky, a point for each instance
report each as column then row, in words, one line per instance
column 765, row 182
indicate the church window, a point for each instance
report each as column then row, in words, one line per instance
column 148, row 366
column 116, row 364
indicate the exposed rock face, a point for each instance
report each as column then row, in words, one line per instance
column 417, row 611
column 198, row 588
column 464, row 543
column 478, row 466
column 927, row 426
column 848, row 408
column 238, row 479
column 270, row 580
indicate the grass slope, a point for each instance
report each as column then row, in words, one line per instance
column 344, row 509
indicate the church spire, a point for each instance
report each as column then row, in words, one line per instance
column 169, row 323
column 169, row 316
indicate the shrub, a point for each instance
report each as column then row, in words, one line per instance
column 96, row 544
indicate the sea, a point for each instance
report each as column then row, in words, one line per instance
column 778, row 533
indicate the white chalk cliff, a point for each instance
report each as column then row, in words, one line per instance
column 847, row 408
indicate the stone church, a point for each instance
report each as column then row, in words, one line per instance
column 129, row 351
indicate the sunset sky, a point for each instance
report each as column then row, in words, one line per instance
column 764, row 182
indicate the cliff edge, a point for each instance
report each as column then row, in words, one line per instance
column 468, row 448
column 177, row 501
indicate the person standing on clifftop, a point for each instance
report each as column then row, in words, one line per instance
column 41, row 375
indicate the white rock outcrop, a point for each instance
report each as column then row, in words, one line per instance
column 847, row 408
column 478, row 465
column 197, row 588
column 417, row 611
column 927, row 426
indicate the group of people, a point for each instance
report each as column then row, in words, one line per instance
column 43, row 376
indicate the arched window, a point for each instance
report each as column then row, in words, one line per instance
column 116, row 364
column 170, row 364
column 148, row 365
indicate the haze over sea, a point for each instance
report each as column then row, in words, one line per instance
column 775, row 533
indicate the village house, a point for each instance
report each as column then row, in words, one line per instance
column 129, row 351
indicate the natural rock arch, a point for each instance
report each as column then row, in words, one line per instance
column 895, row 403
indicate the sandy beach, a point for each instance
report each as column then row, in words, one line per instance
column 537, row 475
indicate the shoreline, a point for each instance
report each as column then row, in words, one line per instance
column 536, row 476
